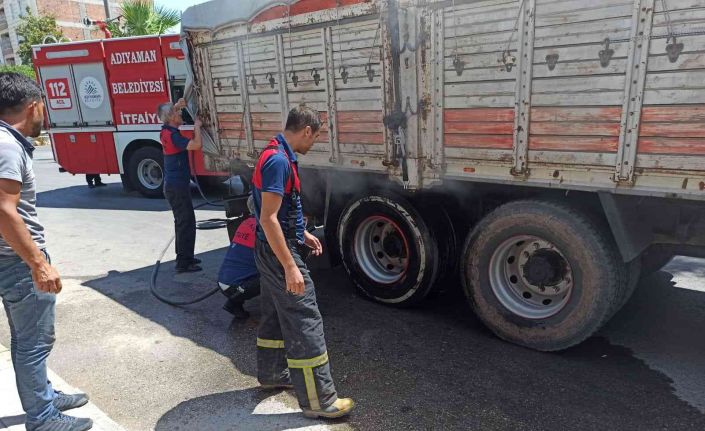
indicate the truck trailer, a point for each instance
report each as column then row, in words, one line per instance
column 548, row 153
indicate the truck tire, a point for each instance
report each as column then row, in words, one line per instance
column 633, row 278
column 126, row 183
column 388, row 249
column 541, row 275
column 442, row 228
column 653, row 259
column 146, row 171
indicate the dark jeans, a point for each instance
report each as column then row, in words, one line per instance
column 179, row 199
column 245, row 291
column 91, row 178
column 30, row 314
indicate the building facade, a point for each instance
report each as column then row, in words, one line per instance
column 70, row 16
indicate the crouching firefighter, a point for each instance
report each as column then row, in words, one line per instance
column 238, row 277
column 291, row 346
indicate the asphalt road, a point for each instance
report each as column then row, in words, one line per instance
column 151, row 366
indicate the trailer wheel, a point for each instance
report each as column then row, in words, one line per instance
column 146, row 171
column 541, row 275
column 388, row 250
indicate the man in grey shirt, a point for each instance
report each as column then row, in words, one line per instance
column 28, row 282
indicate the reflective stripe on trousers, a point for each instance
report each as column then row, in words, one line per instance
column 307, row 366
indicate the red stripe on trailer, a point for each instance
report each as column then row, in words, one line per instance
column 671, row 113
column 478, row 114
column 479, row 128
column 490, row 142
column 579, row 144
column 672, row 146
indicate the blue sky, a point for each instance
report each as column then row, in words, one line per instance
column 182, row 5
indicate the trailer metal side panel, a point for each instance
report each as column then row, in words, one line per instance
column 604, row 95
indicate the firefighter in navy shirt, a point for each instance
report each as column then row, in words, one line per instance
column 238, row 277
column 291, row 345
column 177, row 182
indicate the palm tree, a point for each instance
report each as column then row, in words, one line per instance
column 142, row 17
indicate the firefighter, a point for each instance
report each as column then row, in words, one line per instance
column 177, row 182
column 291, row 346
column 238, row 277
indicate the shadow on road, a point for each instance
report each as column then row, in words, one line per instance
column 435, row 367
column 242, row 410
column 112, row 197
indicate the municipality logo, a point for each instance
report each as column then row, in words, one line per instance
column 91, row 92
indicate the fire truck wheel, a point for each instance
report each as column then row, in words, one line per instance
column 388, row 249
column 542, row 275
column 145, row 169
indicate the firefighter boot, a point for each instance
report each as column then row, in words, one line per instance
column 341, row 407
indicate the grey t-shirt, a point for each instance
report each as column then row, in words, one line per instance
column 16, row 165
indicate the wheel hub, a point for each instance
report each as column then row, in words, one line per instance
column 393, row 245
column 530, row 277
column 381, row 250
column 150, row 174
column 544, row 268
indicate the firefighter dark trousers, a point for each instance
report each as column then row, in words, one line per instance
column 291, row 347
column 179, row 199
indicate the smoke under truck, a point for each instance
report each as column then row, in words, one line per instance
column 548, row 152
column 102, row 98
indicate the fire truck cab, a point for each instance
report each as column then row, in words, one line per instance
column 102, row 97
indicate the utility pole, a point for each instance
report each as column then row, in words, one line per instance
column 106, row 3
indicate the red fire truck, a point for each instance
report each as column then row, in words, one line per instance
column 101, row 99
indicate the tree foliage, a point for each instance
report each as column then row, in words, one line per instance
column 24, row 69
column 34, row 30
column 142, row 17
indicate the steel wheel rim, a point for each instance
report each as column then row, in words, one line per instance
column 514, row 267
column 381, row 249
column 150, row 174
